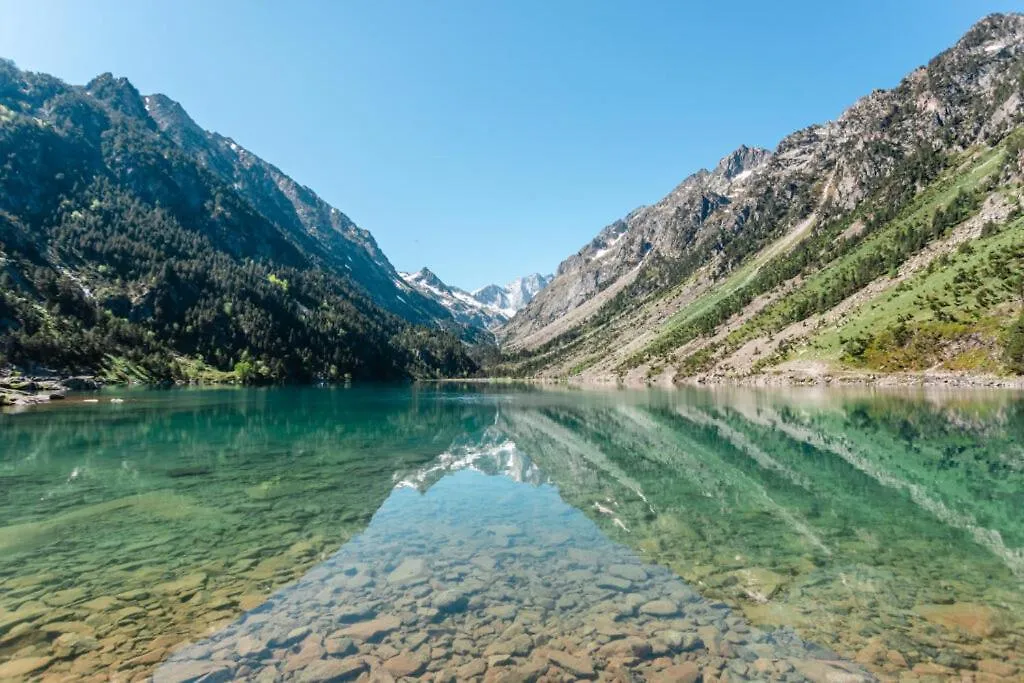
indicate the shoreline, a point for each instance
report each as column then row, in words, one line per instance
column 29, row 390
column 786, row 380
column 19, row 390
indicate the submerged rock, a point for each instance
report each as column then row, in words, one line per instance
column 404, row 664
column 368, row 631
column 977, row 620
column 412, row 571
column 660, row 608
column 332, row 670
column 632, row 572
column 195, row 671
column 18, row 669
column 574, row 664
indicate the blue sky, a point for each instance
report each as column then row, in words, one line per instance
column 490, row 139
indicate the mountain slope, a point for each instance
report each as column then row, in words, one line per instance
column 122, row 250
column 752, row 266
column 488, row 308
column 611, row 260
column 296, row 209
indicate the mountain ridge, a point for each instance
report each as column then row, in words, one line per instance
column 489, row 307
column 297, row 206
column 136, row 245
column 702, row 284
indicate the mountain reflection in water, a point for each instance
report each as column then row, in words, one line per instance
column 485, row 573
column 467, row 531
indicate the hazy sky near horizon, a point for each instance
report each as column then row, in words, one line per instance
column 491, row 139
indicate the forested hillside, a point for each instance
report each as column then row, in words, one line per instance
column 888, row 240
column 123, row 253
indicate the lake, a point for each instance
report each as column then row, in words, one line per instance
column 491, row 532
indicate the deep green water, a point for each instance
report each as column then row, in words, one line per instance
column 295, row 533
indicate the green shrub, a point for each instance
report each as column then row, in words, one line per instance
column 1015, row 346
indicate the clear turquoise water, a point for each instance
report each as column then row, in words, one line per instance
column 810, row 534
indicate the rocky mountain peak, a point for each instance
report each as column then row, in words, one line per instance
column 169, row 114
column 739, row 161
column 428, row 277
column 515, row 295
column 995, row 27
column 119, row 94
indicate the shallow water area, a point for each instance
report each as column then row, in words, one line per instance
column 511, row 533
column 484, row 575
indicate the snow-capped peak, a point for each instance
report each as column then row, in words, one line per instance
column 489, row 307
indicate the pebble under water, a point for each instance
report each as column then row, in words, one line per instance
column 504, row 533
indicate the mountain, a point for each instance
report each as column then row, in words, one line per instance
column 295, row 208
column 589, row 277
column 136, row 244
column 890, row 239
column 465, row 309
column 488, row 308
column 513, row 296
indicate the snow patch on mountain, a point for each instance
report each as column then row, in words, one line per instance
column 515, row 295
column 489, row 307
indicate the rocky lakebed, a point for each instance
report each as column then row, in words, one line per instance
column 473, row 534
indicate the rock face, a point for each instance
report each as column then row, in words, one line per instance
column 665, row 228
column 652, row 290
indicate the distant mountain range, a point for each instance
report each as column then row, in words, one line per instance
column 890, row 239
column 489, row 307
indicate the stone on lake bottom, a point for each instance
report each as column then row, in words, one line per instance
column 659, row 608
column 333, row 670
column 101, row 604
column 370, row 630
column 977, row 620
column 251, row 601
column 630, row 646
column 189, row 671
column 519, row 646
column 19, row 668
column 69, row 645
column 404, row 664
column 475, row 667
column 631, row 572
column 502, row 611
column 687, row 672
column 249, row 646
column 450, row 601
column 997, row 668
column 574, row 664
column 64, row 597
column 613, row 582
column 339, row 646
column 411, row 571
column 185, row 585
